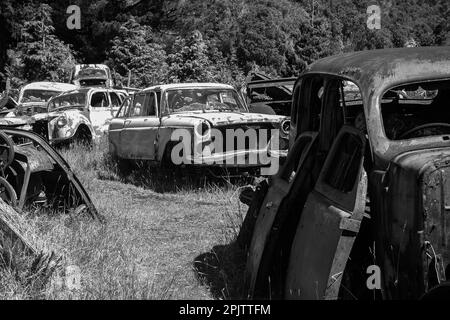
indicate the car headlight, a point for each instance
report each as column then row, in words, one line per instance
column 285, row 126
column 61, row 122
column 203, row 130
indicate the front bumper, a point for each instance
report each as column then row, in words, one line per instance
column 239, row 159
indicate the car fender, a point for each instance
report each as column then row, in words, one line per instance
column 164, row 138
column 74, row 118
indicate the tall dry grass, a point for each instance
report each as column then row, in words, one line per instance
column 155, row 231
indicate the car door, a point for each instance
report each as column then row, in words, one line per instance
column 329, row 221
column 100, row 109
column 140, row 131
column 270, row 216
column 116, row 126
column 287, row 189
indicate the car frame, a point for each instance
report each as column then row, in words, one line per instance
column 370, row 226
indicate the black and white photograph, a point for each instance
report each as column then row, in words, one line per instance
column 225, row 155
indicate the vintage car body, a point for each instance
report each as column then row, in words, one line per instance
column 33, row 174
column 57, row 126
column 91, row 75
column 355, row 196
column 34, row 96
column 149, row 136
column 85, row 109
column 269, row 96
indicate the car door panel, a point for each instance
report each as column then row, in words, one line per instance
column 279, row 188
column 99, row 112
column 329, row 222
column 139, row 135
column 116, row 126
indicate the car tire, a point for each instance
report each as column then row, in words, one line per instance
column 83, row 137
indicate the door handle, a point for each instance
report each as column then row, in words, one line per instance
column 127, row 122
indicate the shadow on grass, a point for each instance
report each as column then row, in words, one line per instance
column 222, row 271
column 171, row 179
column 223, row 268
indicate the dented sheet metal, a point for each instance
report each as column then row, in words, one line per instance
column 321, row 239
column 33, row 173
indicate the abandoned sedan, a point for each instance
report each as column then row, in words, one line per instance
column 91, row 75
column 360, row 208
column 200, row 124
column 33, row 175
column 34, row 96
column 80, row 114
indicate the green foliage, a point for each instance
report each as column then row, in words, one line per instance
column 135, row 50
column 40, row 55
column 155, row 39
column 189, row 61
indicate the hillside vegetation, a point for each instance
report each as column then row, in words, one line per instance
column 195, row 40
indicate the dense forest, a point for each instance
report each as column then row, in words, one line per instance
column 203, row 40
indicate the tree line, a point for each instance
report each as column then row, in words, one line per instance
column 203, row 40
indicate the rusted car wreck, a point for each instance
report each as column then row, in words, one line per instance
column 366, row 183
column 146, row 124
column 34, row 175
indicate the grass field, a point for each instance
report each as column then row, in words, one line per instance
column 154, row 245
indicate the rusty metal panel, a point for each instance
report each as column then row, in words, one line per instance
column 279, row 188
column 328, row 226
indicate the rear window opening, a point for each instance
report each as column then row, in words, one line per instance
column 417, row 110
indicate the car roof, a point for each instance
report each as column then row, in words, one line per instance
column 189, row 86
column 47, row 85
column 87, row 89
column 91, row 66
column 378, row 69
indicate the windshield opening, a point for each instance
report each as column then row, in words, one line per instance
column 33, row 95
column 91, row 73
column 276, row 96
column 184, row 100
column 68, row 100
column 416, row 110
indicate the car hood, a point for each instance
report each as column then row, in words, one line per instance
column 416, row 193
column 226, row 118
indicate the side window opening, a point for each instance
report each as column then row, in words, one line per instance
column 137, row 106
column 332, row 114
column 352, row 106
column 150, row 105
column 115, row 100
column 158, row 102
column 123, row 111
column 310, row 104
column 99, row 99
column 416, row 110
column 346, row 160
column 343, row 106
